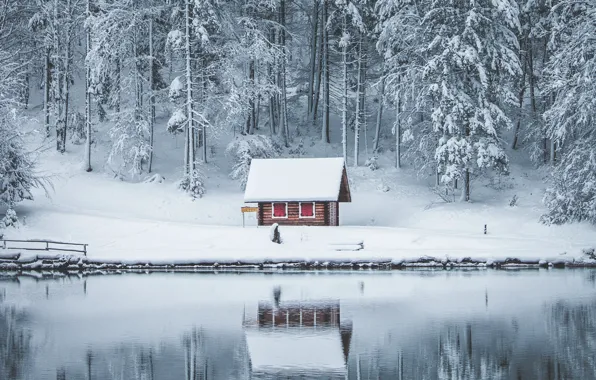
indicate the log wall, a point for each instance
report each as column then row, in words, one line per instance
column 321, row 215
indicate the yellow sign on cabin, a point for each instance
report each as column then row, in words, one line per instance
column 249, row 209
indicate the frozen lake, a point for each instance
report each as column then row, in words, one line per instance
column 481, row 324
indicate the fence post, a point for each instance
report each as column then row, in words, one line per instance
column 47, row 246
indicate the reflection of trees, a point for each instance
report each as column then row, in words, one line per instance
column 472, row 350
column 15, row 343
column 130, row 363
column 195, row 356
column 572, row 328
column 463, row 357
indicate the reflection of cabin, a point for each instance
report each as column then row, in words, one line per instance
column 299, row 315
column 297, row 339
column 298, row 191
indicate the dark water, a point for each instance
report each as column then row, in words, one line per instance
column 535, row 324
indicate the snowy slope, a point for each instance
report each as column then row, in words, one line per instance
column 394, row 212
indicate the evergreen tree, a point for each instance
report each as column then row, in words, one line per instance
column 571, row 119
column 17, row 166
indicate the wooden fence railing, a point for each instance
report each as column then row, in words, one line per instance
column 44, row 245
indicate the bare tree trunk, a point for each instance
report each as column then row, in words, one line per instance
column 137, row 76
column 66, row 85
column 257, row 97
column 362, row 80
column 26, row 85
column 379, row 113
column 117, row 85
column 58, row 104
column 319, row 71
column 204, row 128
column 466, row 189
column 358, row 118
column 151, row 95
column 398, row 129
column 88, row 167
column 189, row 164
column 533, row 105
column 284, row 103
column 46, row 92
column 271, row 99
column 523, row 46
column 344, row 108
column 313, row 57
column 250, row 125
column 522, row 91
column 326, row 97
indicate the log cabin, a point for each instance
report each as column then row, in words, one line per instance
column 298, row 191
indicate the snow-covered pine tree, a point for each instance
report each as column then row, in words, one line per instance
column 532, row 100
column 131, row 146
column 257, row 58
column 571, row 119
column 363, row 21
column 195, row 23
column 400, row 38
column 66, row 19
column 244, row 148
column 40, row 23
column 121, row 61
column 17, row 166
column 471, row 50
column 17, row 176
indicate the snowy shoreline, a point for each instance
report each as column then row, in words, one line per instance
column 12, row 262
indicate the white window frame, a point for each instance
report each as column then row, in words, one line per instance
column 273, row 211
column 314, row 211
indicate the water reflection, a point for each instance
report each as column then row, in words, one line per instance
column 295, row 339
column 348, row 326
column 15, row 347
column 572, row 328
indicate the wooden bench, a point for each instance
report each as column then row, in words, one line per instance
column 348, row 245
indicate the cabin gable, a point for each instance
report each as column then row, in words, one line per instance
column 344, row 188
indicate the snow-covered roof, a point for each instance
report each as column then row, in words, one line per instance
column 318, row 350
column 294, row 179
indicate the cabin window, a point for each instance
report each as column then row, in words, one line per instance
column 307, row 209
column 280, row 210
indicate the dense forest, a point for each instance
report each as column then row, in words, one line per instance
column 447, row 86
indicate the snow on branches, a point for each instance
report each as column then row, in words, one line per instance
column 193, row 183
column 469, row 57
column 130, row 142
column 17, row 165
column 244, row 148
column 572, row 196
column 571, row 118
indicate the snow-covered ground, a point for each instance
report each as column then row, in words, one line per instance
column 135, row 221
column 393, row 212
